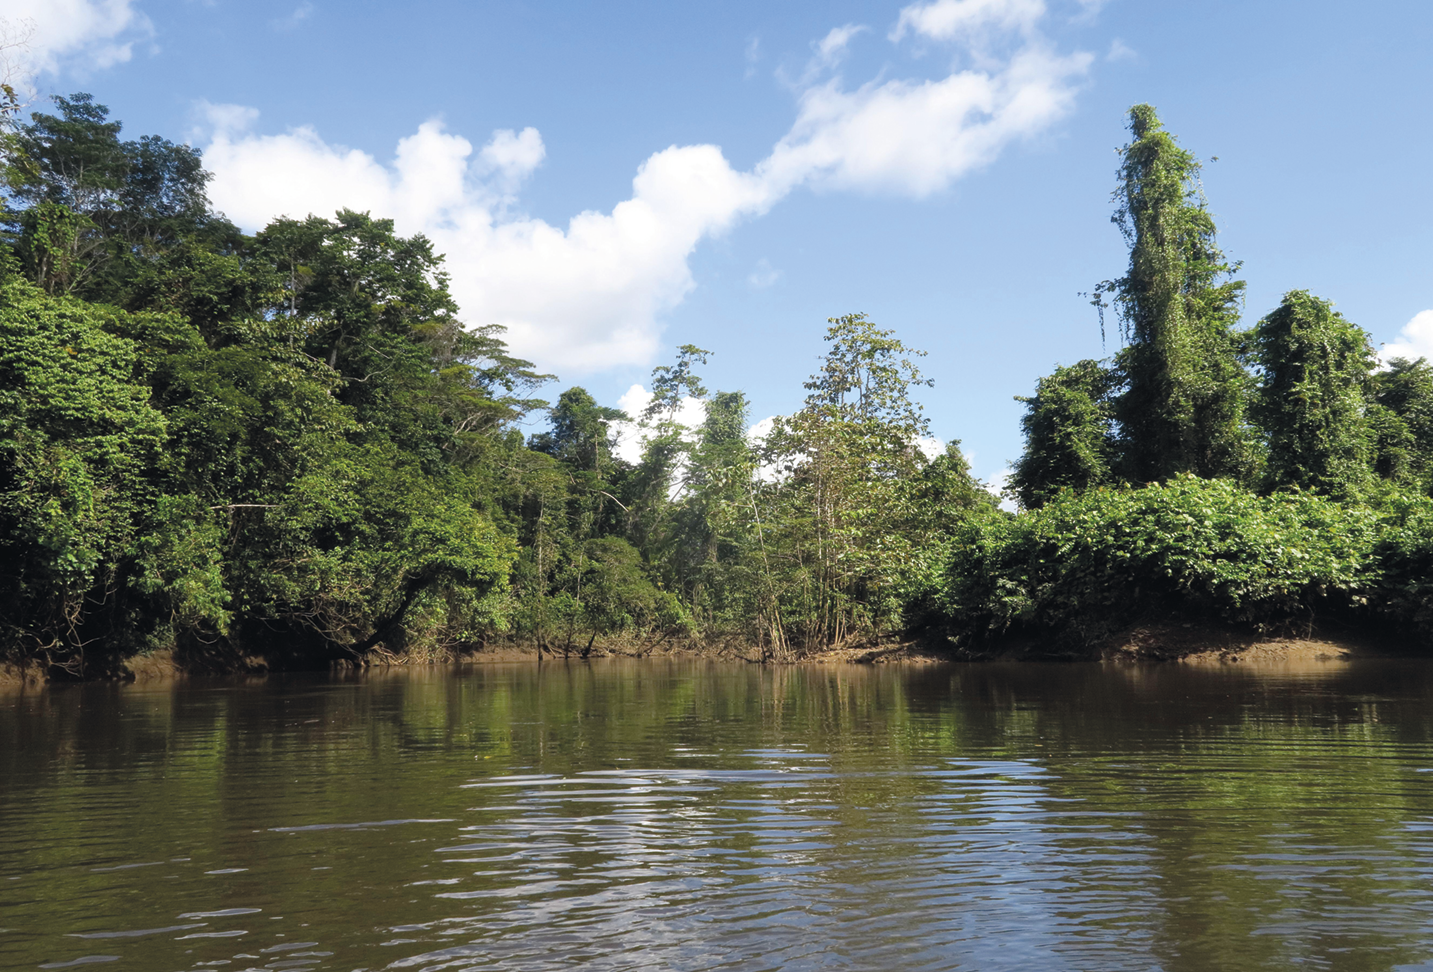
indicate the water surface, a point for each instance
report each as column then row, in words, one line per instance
column 694, row 815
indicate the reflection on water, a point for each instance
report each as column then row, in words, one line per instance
column 701, row 815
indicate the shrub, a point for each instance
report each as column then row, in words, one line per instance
column 1403, row 564
column 1087, row 564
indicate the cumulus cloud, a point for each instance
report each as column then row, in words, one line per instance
column 918, row 137
column 512, row 156
column 773, row 472
column 1414, row 341
column 38, row 36
column 591, row 294
column 577, row 299
column 930, row 446
column 968, row 21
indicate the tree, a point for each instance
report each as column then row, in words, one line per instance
column 1069, row 434
column 849, row 454
column 1401, row 414
column 1315, row 370
column 666, row 451
column 671, row 384
column 376, row 308
column 711, row 551
column 93, row 208
column 617, row 595
column 76, row 157
column 1182, row 408
column 581, row 433
column 363, row 286
column 79, row 444
column 581, row 505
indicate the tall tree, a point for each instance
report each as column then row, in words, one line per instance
column 1311, row 400
column 666, row 451
column 1182, row 409
column 375, row 306
column 851, row 453
column 671, row 384
column 1069, row 434
column 716, row 521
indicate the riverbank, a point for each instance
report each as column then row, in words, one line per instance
column 1143, row 644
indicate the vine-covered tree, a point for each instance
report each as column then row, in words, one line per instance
column 1315, row 369
column 1069, row 434
column 1401, row 415
column 1182, row 407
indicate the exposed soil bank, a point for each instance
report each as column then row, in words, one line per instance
column 1222, row 647
column 1201, row 644
column 1149, row 643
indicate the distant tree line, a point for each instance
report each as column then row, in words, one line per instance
column 289, row 445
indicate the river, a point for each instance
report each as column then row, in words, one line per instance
column 702, row 815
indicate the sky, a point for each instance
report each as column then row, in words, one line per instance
column 610, row 181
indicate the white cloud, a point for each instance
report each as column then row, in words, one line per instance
column 225, row 119
column 579, row 300
column 513, row 155
column 1089, row 10
column 302, row 12
column 1414, row 341
column 753, row 55
column 967, row 21
column 917, row 138
column 763, row 275
column 773, row 472
column 1120, row 51
column 592, row 294
column 629, row 434
column 931, row 447
column 49, row 33
column 831, row 49
column 632, row 437
column 760, row 429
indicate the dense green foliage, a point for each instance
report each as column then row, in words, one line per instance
column 1088, row 564
column 290, row 445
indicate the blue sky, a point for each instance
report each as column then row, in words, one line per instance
column 944, row 167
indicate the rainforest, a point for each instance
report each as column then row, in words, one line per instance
column 290, row 450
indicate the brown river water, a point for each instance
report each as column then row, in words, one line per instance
column 701, row 815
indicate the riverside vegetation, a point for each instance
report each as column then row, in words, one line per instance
column 289, row 447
